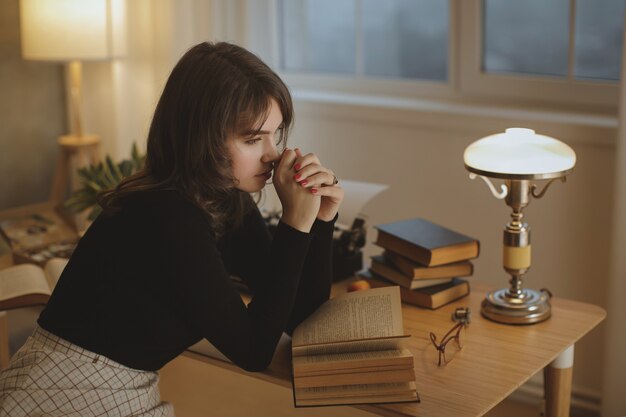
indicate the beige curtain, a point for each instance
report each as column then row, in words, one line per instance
column 614, row 386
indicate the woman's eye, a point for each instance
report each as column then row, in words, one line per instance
column 278, row 136
column 252, row 141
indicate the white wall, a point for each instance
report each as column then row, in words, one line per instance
column 32, row 91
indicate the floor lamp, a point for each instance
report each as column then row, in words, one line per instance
column 71, row 31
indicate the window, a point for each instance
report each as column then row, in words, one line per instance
column 564, row 51
column 404, row 39
column 528, row 37
column 533, row 37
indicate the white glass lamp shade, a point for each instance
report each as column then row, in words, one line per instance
column 64, row 30
column 519, row 154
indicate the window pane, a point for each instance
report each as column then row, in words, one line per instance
column 406, row 38
column 318, row 35
column 529, row 36
column 598, row 39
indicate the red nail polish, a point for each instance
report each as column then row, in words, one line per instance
column 297, row 167
column 303, row 183
column 296, row 177
column 314, row 190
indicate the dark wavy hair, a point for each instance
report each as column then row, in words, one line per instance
column 216, row 90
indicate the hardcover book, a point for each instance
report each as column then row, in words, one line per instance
column 415, row 270
column 426, row 243
column 428, row 297
column 382, row 267
column 352, row 350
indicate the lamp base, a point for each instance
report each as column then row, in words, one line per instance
column 532, row 307
column 75, row 152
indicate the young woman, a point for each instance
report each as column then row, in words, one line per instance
column 151, row 275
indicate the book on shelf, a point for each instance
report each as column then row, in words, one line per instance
column 385, row 269
column 416, row 270
column 27, row 285
column 426, row 242
column 431, row 297
column 353, row 350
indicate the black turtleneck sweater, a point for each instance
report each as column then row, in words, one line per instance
column 151, row 280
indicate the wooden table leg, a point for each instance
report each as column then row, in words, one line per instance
column 4, row 340
column 558, row 384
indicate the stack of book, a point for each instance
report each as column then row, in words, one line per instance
column 426, row 260
column 352, row 350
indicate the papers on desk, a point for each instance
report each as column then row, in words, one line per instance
column 358, row 194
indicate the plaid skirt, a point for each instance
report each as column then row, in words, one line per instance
column 50, row 376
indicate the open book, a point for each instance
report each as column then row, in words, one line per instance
column 28, row 285
column 352, row 350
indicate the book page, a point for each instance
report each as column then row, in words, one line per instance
column 53, row 269
column 22, row 279
column 372, row 313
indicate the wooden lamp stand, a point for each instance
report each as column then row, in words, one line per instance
column 74, row 152
column 77, row 149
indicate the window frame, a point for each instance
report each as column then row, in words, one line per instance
column 467, row 83
column 475, row 82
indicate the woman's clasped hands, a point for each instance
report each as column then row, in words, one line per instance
column 307, row 190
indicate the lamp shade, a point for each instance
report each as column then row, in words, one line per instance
column 519, row 153
column 64, row 30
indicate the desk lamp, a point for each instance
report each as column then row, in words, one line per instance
column 72, row 31
column 519, row 157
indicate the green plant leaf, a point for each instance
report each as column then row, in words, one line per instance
column 95, row 212
column 101, row 176
column 127, row 167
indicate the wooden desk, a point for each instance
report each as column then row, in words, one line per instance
column 496, row 359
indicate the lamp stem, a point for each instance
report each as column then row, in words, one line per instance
column 516, row 239
column 75, row 84
column 516, row 219
column 515, row 290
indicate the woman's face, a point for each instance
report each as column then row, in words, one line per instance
column 253, row 155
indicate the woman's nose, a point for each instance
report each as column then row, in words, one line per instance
column 270, row 152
